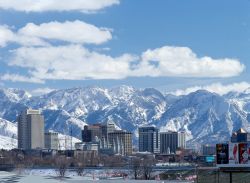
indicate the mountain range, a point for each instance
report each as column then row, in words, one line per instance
column 205, row 117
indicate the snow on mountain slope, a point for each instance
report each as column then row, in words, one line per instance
column 132, row 108
column 205, row 116
column 8, row 129
column 61, row 121
column 14, row 95
column 8, row 134
column 241, row 99
column 12, row 102
column 7, row 142
column 76, row 101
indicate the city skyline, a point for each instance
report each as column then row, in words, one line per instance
column 181, row 45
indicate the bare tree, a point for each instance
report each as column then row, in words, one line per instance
column 136, row 167
column 147, row 167
column 80, row 168
column 80, row 164
column 61, row 166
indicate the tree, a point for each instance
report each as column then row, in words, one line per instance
column 147, row 167
column 136, row 167
column 80, row 164
column 61, row 165
column 80, row 168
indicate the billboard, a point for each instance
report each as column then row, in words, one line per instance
column 243, row 153
column 222, row 155
column 233, row 153
column 248, row 149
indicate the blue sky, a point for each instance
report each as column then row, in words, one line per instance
column 150, row 43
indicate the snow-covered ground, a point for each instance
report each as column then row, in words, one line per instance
column 13, row 177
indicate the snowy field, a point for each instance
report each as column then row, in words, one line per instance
column 49, row 176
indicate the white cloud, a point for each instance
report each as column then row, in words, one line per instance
column 216, row 88
column 183, row 62
column 73, row 32
column 6, row 35
column 40, row 35
column 20, row 78
column 41, row 91
column 56, row 5
column 74, row 62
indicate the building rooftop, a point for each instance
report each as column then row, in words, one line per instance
column 241, row 130
column 33, row 111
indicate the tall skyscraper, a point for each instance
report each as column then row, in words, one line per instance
column 30, row 129
column 149, row 139
column 86, row 134
column 170, row 141
column 121, row 142
column 51, row 140
column 240, row 136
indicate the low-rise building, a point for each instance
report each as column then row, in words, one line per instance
column 51, row 140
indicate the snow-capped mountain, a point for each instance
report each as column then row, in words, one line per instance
column 206, row 117
column 12, row 101
column 8, row 134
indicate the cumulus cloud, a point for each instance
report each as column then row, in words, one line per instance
column 73, row 32
column 216, row 88
column 183, row 62
column 20, row 78
column 72, row 62
column 6, row 35
column 40, row 35
column 75, row 62
column 56, row 5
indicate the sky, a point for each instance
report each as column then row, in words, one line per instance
column 172, row 45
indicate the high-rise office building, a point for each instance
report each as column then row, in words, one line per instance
column 100, row 132
column 121, row 142
column 240, row 136
column 92, row 133
column 86, row 134
column 51, row 140
column 170, row 141
column 149, row 140
column 30, row 129
column 107, row 128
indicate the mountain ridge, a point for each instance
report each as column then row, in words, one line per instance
column 206, row 117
